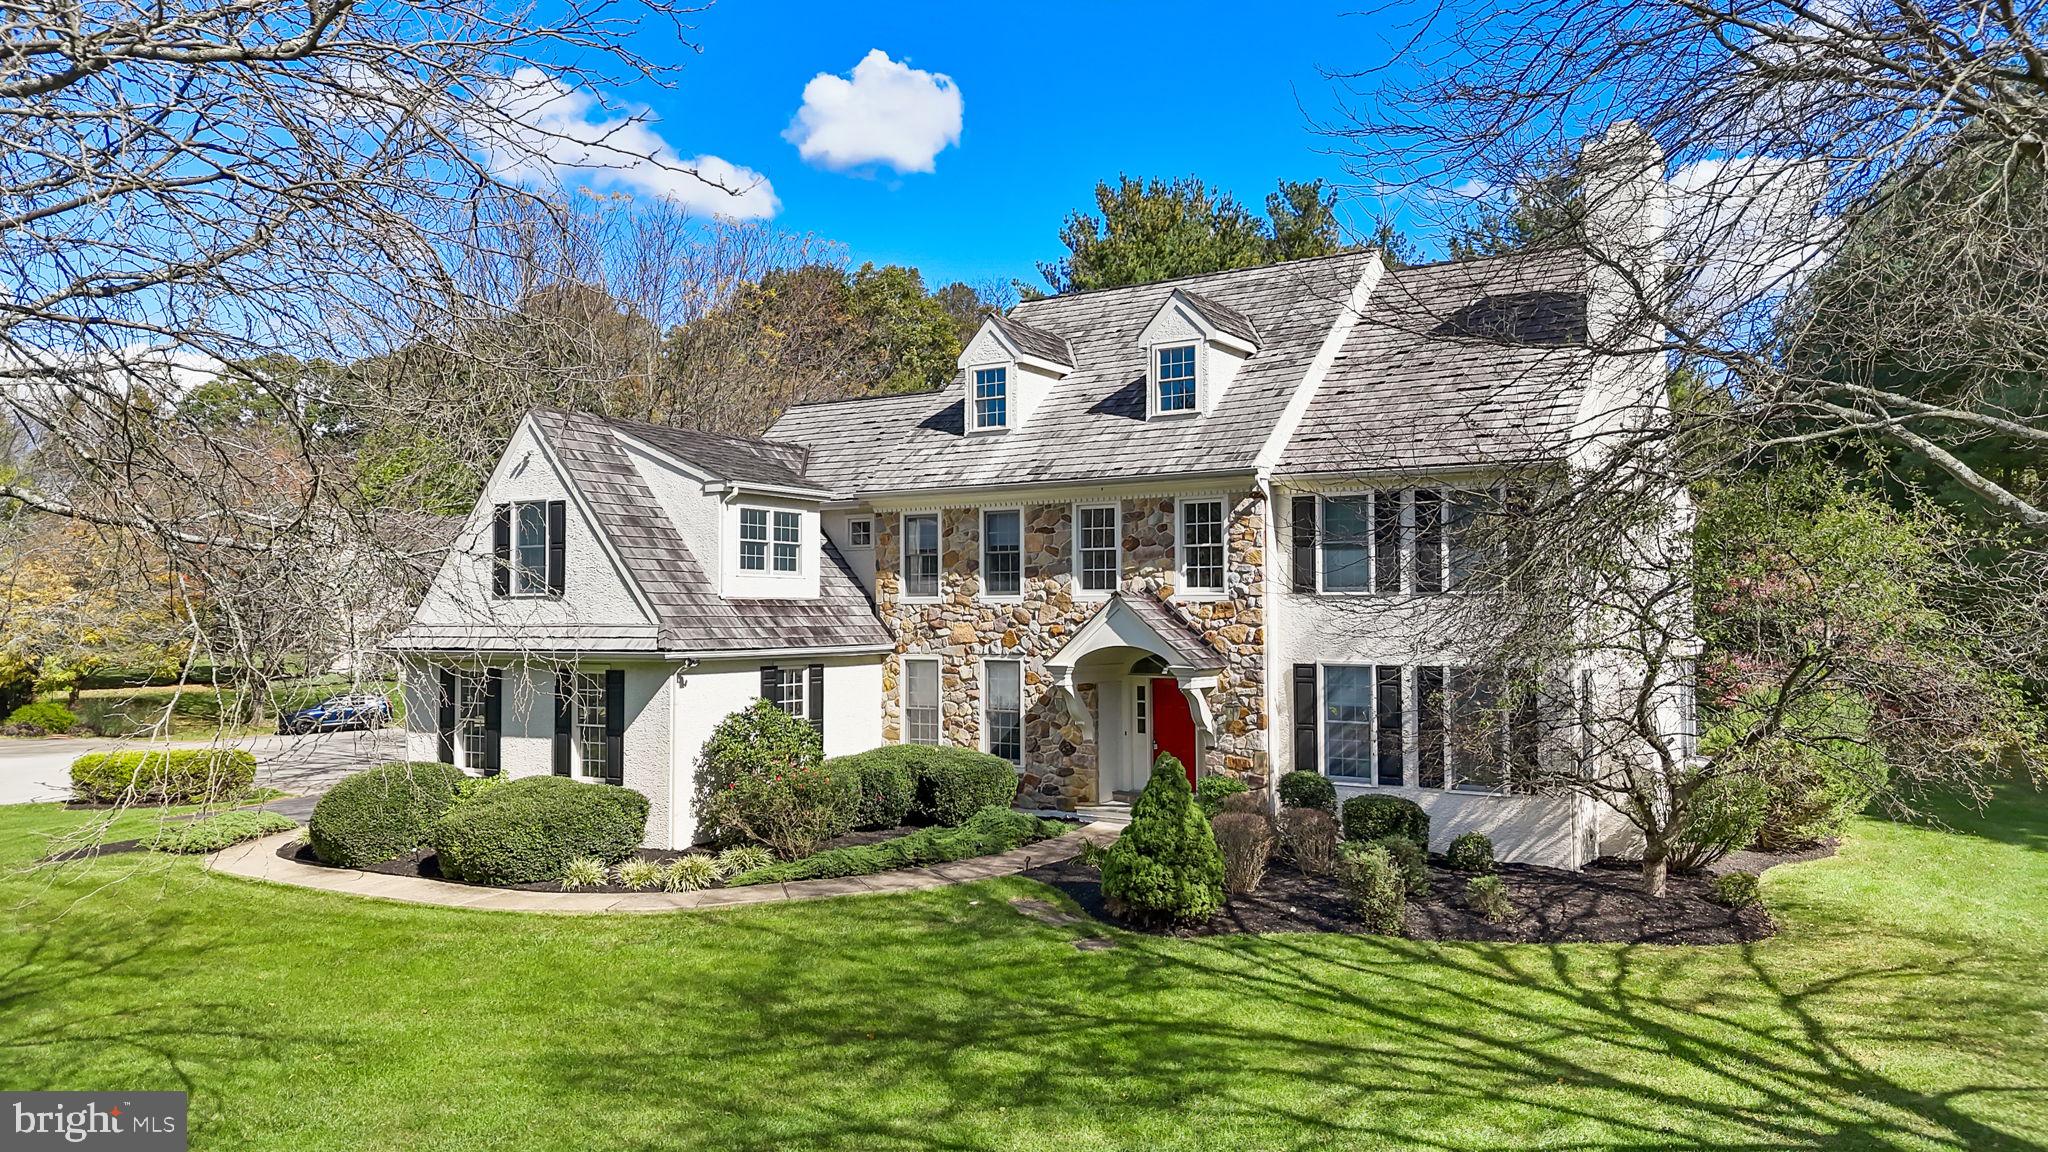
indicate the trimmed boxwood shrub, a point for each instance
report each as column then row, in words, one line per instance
column 791, row 811
column 1411, row 860
column 987, row 832
column 1165, row 866
column 382, row 813
column 1374, row 886
column 951, row 784
column 1367, row 818
column 887, row 788
column 1212, row 791
column 527, row 831
column 168, row 776
column 45, row 716
column 217, row 832
column 1299, row 789
column 1734, row 889
column 1471, row 852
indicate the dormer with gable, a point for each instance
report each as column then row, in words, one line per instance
column 1193, row 348
column 1009, row 369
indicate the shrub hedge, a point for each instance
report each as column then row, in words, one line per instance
column 1367, row 818
column 887, row 785
column 1309, row 836
column 951, row 784
column 1373, row 884
column 172, row 776
column 1725, row 815
column 1411, row 860
column 758, row 740
column 382, row 813
column 791, row 811
column 1165, row 866
column 1735, row 889
column 1299, row 789
column 45, row 716
column 1246, row 841
column 1471, row 852
column 1212, row 791
column 217, row 832
column 528, row 830
column 991, row 830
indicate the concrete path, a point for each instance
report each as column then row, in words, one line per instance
column 35, row 770
column 258, row 860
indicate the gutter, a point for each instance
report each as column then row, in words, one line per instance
column 917, row 496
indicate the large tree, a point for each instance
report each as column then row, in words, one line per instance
column 1146, row 230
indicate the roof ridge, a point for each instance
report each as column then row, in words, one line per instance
column 1350, row 253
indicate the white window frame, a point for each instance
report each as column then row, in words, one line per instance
column 938, row 705
column 1181, row 590
column 903, row 556
column 771, row 544
column 1075, row 558
column 857, row 527
column 1153, row 408
column 974, row 398
column 1372, row 499
column 988, row 703
column 776, row 543
column 517, row 585
column 472, row 687
column 580, row 682
column 794, row 684
column 985, row 593
column 1410, row 727
column 767, row 536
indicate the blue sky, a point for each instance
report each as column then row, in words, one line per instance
column 1055, row 97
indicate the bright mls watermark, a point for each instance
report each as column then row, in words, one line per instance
column 115, row 1121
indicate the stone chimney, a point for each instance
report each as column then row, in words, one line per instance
column 1627, row 212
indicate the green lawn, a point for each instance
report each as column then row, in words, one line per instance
column 1905, row 1005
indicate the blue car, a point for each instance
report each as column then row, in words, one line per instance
column 355, row 710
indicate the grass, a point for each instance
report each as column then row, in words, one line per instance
column 1902, row 1007
column 200, row 711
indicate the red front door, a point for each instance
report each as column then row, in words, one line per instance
column 1173, row 727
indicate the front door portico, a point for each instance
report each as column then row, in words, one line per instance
column 1134, row 677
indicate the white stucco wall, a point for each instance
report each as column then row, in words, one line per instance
column 670, row 711
column 595, row 591
column 861, row 560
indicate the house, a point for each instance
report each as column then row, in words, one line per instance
column 1200, row 516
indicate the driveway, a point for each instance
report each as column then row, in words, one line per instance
column 306, row 766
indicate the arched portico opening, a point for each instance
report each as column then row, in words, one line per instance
column 1136, row 681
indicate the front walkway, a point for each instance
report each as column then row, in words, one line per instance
column 258, row 860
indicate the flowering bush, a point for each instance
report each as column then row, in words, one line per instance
column 791, row 811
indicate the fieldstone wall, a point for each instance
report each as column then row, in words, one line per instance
column 961, row 629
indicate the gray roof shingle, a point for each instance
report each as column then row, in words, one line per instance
column 1091, row 426
column 691, row 614
column 1034, row 341
column 734, row 458
column 1466, row 364
column 1222, row 316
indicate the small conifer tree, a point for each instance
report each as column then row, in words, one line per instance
column 1165, row 866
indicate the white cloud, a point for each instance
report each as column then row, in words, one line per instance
column 885, row 113
column 544, row 131
column 1747, row 229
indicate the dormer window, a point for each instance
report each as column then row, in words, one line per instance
column 991, row 399
column 1175, row 379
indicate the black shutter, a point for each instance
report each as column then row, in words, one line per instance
column 565, row 719
column 1389, row 758
column 1304, row 544
column 1524, row 743
column 771, row 684
column 614, row 726
column 501, row 550
column 1431, row 707
column 445, row 745
column 494, row 720
column 817, row 698
column 1306, row 758
column 558, row 546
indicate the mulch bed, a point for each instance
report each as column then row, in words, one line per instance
column 1602, row 904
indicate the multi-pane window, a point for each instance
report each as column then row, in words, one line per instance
column 1005, row 708
column 470, row 689
column 1201, row 545
column 921, row 701
column 860, row 533
column 921, row 555
column 790, row 693
column 1176, row 385
column 1464, row 551
column 1347, row 721
column 1141, row 712
column 530, row 549
column 590, row 726
column 1002, row 554
column 1478, row 738
column 1429, row 540
column 753, row 539
column 1386, row 542
column 1347, row 543
column 788, row 534
column 1101, row 552
column 991, row 398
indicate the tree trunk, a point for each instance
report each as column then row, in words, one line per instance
column 71, row 697
column 1656, row 868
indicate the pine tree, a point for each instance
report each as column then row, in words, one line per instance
column 1165, row 866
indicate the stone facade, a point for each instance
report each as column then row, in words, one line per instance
column 961, row 629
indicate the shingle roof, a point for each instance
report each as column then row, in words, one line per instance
column 1091, row 426
column 1454, row 365
column 691, row 613
column 735, row 458
column 1034, row 341
column 1174, row 629
column 1222, row 316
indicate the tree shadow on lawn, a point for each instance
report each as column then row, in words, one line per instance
column 1312, row 1042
